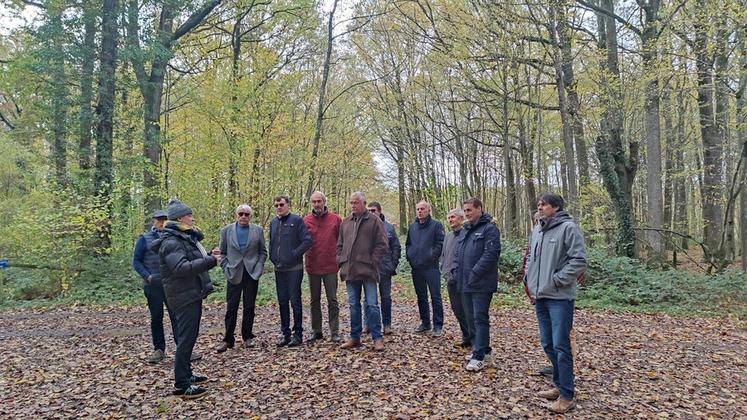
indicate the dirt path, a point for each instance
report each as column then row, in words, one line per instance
column 83, row 362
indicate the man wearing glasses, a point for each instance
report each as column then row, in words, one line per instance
column 243, row 254
column 324, row 226
column 289, row 240
column 387, row 269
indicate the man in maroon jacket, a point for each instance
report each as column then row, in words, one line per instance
column 324, row 226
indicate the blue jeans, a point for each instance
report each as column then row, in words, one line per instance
column 372, row 308
column 288, row 286
column 156, row 301
column 429, row 280
column 555, row 320
column 385, row 289
column 476, row 307
column 188, row 318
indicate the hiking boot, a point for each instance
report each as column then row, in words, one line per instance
column 317, row 336
column 561, row 405
column 197, row 379
column 437, row 332
column 195, row 357
column 295, row 341
column 223, row 347
column 190, row 393
column 157, row 356
column 546, row 371
column 336, row 338
column 550, row 394
column 378, row 345
column 351, row 344
column 284, row 342
column 248, row 343
column 422, row 328
column 388, row 330
column 475, row 365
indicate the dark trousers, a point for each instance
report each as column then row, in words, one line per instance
column 476, row 307
column 288, row 286
column 455, row 298
column 429, row 280
column 555, row 320
column 156, row 301
column 248, row 287
column 385, row 290
column 188, row 319
column 333, row 307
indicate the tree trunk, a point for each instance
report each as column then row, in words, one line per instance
column 86, row 86
column 105, row 114
column 616, row 167
column 321, row 105
column 59, row 94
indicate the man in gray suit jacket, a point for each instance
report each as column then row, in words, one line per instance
column 243, row 254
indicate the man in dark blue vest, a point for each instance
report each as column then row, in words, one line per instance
column 145, row 262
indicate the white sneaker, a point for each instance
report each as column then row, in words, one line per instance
column 475, row 365
column 485, row 359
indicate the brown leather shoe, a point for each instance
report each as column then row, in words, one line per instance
column 351, row 344
column 550, row 394
column 561, row 405
column 378, row 345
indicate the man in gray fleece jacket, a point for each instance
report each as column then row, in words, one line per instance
column 557, row 257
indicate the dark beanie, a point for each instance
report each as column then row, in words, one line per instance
column 178, row 209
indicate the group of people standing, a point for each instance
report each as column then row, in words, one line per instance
column 363, row 251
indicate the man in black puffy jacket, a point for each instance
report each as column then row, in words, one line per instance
column 184, row 265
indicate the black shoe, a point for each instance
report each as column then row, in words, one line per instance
column 223, row 347
column 336, row 338
column 422, row 328
column 315, row 337
column 295, row 342
column 197, row 379
column 546, row 371
column 465, row 344
column 284, row 342
column 190, row 393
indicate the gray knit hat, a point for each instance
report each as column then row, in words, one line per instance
column 178, row 209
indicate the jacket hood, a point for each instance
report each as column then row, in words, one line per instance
column 558, row 219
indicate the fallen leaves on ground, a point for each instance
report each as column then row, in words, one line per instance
column 80, row 361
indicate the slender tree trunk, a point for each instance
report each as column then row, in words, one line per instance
column 59, row 94
column 86, row 86
column 105, row 114
column 322, row 103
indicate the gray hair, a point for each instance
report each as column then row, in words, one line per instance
column 456, row 212
column 319, row 193
column 244, row 206
column 430, row 206
column 359, row 194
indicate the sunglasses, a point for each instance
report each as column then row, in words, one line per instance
column 241, row 213
column 278, row 205
column 373, row 210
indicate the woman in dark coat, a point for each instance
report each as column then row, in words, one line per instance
column 184, row 267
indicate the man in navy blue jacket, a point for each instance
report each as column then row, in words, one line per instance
column 476, row 272
column 289, row 240
column 425, row 238
column 146, row 263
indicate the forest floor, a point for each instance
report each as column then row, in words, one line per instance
column 84, row 361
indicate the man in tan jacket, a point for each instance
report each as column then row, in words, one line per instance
column 360, row 247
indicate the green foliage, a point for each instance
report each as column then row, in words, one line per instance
column 624, row 283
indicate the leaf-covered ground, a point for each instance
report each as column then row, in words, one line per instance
column 76, row 362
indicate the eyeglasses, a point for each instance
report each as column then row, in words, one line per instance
column 241, row 213
column 373, row 210
column 278, row 205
